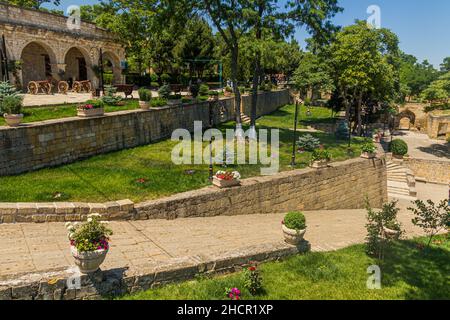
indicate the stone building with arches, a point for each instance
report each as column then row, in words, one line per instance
column 41, row 46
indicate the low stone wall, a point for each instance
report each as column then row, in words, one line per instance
column 344, row 185
column 49, row 143
column 433, row 171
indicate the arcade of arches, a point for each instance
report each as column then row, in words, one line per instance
column 47, row 50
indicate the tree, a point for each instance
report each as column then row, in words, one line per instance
column 438, row 91
column 445, row 65
column 415, row 77
column 33, row 4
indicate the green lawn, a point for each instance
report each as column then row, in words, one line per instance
column 65, row 111
column 114, row 176
column 407, row 273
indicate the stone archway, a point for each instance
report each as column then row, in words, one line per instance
column 78, row 66
column 111, row 65
column 405, row 120
column 38, row 63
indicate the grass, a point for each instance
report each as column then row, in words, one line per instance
column 115, row 175
column 64, row 111
column 408, row 273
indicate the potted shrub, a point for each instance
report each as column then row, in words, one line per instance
column 158, row 103
column 92, row 108
column 145, row 96
column 12, row 108
column 223, row 179
column 203, row 90
column 89, row 242
column 213, row 95
column 399, row 148
column 294, row 227
column 228, row 91
column 368, row 150
column 320, row 158
column 164, row 92
column 307, row 143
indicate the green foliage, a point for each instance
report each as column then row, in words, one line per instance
column 158, row 102
column 204, row 90
column 432, row 218
column 369, row 147
column 96, row 103
column 252, row 280
column 313, row 73
column 228, row 89
column 12, row 105
column 164, row 91
column 399, row 147
column 321, row 155
column 89, row 236
column 110, row 97
column 194, row 89
column 295, row 220
column 342, row 130
column 379, row 222
column 165, row 78
column 308, row 143
column 9, row 93
column 144, row 94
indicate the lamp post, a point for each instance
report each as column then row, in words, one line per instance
column 294, row 142
column 211, row 125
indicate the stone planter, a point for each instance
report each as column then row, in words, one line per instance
column 13, row 120
column 391, row 234
column 88, row 262
column 225, row 183
column 292, row 236
column 144, row 105
column 319, row 164
column 174, row 102
column 368, row 155
column 86, row 113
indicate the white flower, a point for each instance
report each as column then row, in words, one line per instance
column 94, row 215
column 89, row 220
column 236, row 175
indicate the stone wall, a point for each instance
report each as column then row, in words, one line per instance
column 433, row 171
column 55, row 142
column 344, row 185
column 438, row 125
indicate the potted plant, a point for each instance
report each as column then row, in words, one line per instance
column 89, row 242
column 223, row 179
column 320, row 158
column 228, row 92
column 145, row 96
column 368, row 150
column 399, row 148
column 213, row 95
column 12, row 108
column 92, row 108
column 294, row 227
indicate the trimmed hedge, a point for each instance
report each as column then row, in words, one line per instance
column 399, row 147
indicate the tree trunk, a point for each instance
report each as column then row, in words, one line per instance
column 359, row 105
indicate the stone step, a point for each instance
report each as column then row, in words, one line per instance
column 403, row 197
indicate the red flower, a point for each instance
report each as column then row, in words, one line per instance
column 252, row 268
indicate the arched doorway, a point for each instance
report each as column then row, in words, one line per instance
column 77, row 66
column 111, row 68
column 405, row 120
column 37, row 63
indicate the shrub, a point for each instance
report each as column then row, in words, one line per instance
column 308, row 143
column 399, row 147
column 154, row 84
column 96, row 103
column 7, row 90
column 186, row 100
column 164, row 92
column 158, row 102
column 320, row 155
column 165, row 78
column 368, row 147
column 12, row 105
column 194, row 89
column 110, row 97
column 204, row 90
column 252, row 280
column 89, row 236
column 213, row 93
column 228, row 89
column 295, row 220
column 154, row 77
column 175, row 96
column 342, row 130
column 144, row 94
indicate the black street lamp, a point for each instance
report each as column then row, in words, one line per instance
column 294, row 142
column 211, row 125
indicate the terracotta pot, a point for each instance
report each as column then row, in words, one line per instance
column 368, row 155
column 88, row 262
column 319, row 164
column 13, row 120
column 86, row 113
column 144, row 105
column 292, row 236
column 225, row 183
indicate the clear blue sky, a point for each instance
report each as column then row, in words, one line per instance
column 422, row 26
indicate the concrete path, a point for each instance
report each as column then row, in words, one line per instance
column 422, row 147
column 40, row 248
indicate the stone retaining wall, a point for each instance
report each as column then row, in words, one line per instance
column 55, row 142
column 433, row 171
column 344, row 185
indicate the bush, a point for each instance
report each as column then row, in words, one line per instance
column 295, row 220
column 154, row 77
column 96, row 103
column 110, row 97
column 144, row 94
column 158, row 102
column 154, row 84
column 342, row 130
column 175, row 97
column 194, row 89
column 399, row 147
column 213, row 93
column 228, row 89
column 12, row 105
column 164, row 92
column 165, row 78
column 368, row 147
column 7, row 90
column 320, row 155
column 204, row 90
column 308, row 143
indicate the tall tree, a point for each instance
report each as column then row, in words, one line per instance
column 33, row 4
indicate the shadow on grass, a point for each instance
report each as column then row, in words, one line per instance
column 427, row 270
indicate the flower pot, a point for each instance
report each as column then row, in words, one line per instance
column 391, row 234
column 368, row 155
column 13, row 120
column 221, row 183
column 292, row 236
column 227, row 94
column 319, row 164
column 144, row 105
column 85, row 113
column 88, row 262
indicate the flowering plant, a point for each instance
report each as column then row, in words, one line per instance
column 233, row 293
column 224, row 175
column 252, row 280
column 90, row 236
column 91, row 104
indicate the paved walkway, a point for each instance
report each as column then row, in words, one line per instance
column 39, row 248
column 422, row 147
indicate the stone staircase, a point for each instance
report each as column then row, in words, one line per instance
column 401, row 181
column 245, row 119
